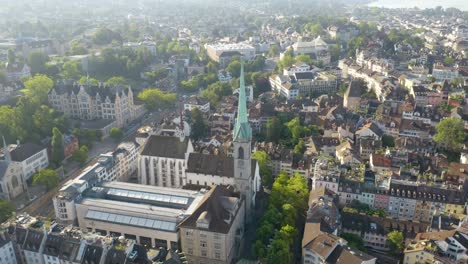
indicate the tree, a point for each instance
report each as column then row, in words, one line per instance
column 395, row 242
column 198, row 124
column 273, row 51
column 314, row 29
column 37, row 88
column 80, row 155
column 104, row 36
column 234, row 68
column 264, row 164
column 85, row 80
column 259, row 249
column 6, row 210
column 449, row 61
column 37, row 62
column 116, row 81
column 354, row 241
column 304, row 58
column 273, row 128
column 48, row 178
column 155, row 98
column 11, row 57
column 300, row 147
column 450, row 133
column 57, row 147
column 116, row 133
column 388, row 141
column 71, row 70
column 260, row 83
column 280, row 252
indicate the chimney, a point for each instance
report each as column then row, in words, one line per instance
column 17, row 142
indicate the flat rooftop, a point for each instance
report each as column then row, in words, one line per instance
column 138, row 205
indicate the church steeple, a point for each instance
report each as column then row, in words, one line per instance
column 242, row 129
column 6, row 151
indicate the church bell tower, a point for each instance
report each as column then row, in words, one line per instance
column 242, row 143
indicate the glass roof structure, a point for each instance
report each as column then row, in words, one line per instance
column 131, row 220
column 154, row 197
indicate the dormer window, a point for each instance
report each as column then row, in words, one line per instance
column 203, row 220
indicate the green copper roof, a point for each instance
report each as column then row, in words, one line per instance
column 242, row 130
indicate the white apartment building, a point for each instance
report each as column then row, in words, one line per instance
column 92, row 102
column 7, row 251
column 118, row 165
column 197, row 102
column 303, row 83
column 222, row 53
column 163, row 161
column 442, row 73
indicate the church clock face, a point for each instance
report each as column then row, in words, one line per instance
column 241, row 163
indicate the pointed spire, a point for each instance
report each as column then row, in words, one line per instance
column 242, row 130
column 6, row 151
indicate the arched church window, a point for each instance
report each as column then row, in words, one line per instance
column 14, row 182
column 241, row 153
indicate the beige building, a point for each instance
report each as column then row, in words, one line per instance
column 93, row 102
column 212, row 234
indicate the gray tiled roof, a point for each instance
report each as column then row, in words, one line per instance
column 163, row 146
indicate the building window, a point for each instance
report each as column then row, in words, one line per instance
column 204, row 253
column 217, row 255
column 203, row 244
column 160, row 243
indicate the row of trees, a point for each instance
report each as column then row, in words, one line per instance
column 277, row 235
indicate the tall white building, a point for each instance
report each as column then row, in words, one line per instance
column 163, row 161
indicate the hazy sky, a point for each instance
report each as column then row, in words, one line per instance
column 460, row 4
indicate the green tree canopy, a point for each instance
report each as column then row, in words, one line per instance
column 71, row 70
column 37, row 88
column 104, row 36
column 117, row 81
column 48, row 178
column 450, row 133
column 300, row 147
column 264, row 163
column 80, row 155
column 274, row 51
column 116, row 133
column 388, row 141
column 155, row 98
column 37, row 62
column 396, row 242
column 84, row 80
column 234, row 68
column 273, row 130
column 57, row 147
column 6, row 210
column 199, row 128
